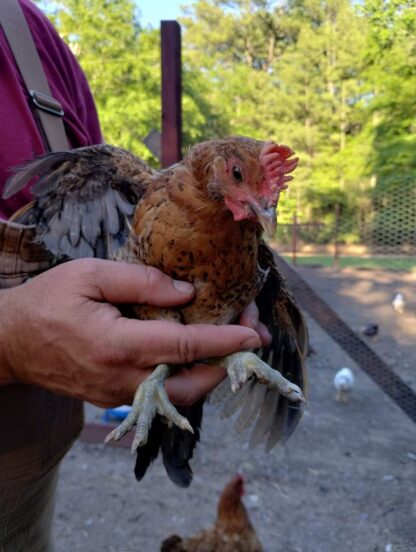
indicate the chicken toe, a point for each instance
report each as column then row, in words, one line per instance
column 150, row 399
column 241, row 366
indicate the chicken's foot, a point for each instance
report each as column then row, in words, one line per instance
column 241, row 366
column 342, row 396
column 150, row 399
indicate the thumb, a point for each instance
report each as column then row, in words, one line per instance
column 119, row 282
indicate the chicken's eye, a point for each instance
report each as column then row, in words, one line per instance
column 237, row 174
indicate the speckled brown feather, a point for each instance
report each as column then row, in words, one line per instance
column 181, row 230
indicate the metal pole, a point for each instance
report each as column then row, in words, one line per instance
column 171, row 93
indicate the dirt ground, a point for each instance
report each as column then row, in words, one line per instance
column 345, row 481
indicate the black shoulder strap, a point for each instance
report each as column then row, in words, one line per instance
column 48, row 111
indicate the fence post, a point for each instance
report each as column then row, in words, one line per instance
column 294, row 237
column 171, row 93
column 336, row 232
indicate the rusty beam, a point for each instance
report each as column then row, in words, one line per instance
column 170, row 32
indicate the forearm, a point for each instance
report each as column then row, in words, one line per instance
column 7, row 317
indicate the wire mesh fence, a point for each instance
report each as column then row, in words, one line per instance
column 359, row 351
column 381, row 233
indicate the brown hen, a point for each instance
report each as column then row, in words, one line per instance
column 231, row 532
column 200, row 221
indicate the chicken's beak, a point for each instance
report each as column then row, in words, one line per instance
column 266, row 217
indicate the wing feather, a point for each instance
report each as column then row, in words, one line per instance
column 273, row 417
column 232, row 401
column 265, row 417
column 250, row 407
column 276, row 429
column 85, row 199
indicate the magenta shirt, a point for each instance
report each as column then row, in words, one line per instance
column 20, row 139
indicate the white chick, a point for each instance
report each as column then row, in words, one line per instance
column 343, row 382
column 398, row 303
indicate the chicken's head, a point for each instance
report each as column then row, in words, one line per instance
column 248, row 176
column 233, row 491
column 237, row 485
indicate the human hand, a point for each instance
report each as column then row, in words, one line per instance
column 61, row 331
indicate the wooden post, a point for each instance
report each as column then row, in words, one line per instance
column 170, row 32
column 336, row 232
column 294, row 237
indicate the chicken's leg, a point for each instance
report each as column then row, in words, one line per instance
column 241, row 366
column 151, row 396
column 150, row 399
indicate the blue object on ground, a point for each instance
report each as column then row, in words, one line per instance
column 118, row 413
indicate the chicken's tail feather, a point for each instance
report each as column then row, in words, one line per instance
column 178, row 445
column 146, row 454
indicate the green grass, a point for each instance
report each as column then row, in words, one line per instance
column 407, row 264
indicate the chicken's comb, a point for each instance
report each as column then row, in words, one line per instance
column 274, row 159
column 237, row 482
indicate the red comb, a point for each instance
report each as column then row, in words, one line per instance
column 238, row 482
column 275, row 161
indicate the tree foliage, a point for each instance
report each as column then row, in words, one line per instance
column 335, row 79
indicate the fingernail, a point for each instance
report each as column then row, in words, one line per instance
column 183, row 287
column 253, row 323
column 251, row 342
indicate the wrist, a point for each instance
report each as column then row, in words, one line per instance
column 8, row 337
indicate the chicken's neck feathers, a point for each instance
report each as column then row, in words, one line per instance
column 232, row 515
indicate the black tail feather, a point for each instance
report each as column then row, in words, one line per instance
column 177, row 446
column 147, row 453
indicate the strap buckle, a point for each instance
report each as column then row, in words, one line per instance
column 46, row 103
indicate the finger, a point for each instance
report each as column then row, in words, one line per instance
column 118, row 282
column 250, row 319
column 250, row 316
column 146, row 343
column 188, row 386
column 264, row 334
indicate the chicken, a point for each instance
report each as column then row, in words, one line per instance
column 231, row 532
column 200, row 220
column 399, row 303
column 343, row 383
column 371, row 330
